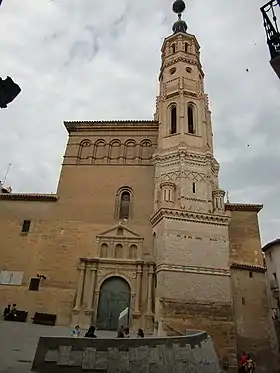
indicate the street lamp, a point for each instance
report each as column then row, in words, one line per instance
column 272, row 33
column 8, row 91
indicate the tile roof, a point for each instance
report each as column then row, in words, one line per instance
column 247, row 266
column 270, row 244
column 28, row 197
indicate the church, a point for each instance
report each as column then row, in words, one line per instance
column 139, row 221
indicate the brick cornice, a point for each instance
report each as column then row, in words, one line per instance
column 192, row 269
column 114, row 125
column 29, row 197
column 174, row 214
column 114, row 261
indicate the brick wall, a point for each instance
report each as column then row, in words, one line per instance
column 63, row 231
column 255, row 333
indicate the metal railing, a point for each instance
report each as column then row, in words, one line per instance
column 271, row 27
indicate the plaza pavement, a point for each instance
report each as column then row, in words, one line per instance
column 19, row 341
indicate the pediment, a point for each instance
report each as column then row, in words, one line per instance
column 119, row 231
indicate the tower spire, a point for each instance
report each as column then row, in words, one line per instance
column 179, row 26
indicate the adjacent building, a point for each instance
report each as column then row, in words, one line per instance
column 139, row 220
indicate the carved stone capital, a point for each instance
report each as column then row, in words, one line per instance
column 76, row 310
column 89, row 312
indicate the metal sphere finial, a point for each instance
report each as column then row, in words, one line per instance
column 178, row 6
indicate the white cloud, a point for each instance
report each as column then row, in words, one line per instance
column 88, row 59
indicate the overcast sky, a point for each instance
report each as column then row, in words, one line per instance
column 99, row 60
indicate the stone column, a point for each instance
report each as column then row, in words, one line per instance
column 95, row 305
column 86, row 285
column 150, row 289
column 138, row 288
column 92, row 280
column 126, row 249
column 81, row 269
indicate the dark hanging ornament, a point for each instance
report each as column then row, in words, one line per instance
column 179, row 26
column 178, row 6
column 8, row 91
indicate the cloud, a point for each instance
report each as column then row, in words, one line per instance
column 79, row 60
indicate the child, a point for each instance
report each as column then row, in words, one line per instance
column 140, row 333
column 76, row 332
column 250, row 365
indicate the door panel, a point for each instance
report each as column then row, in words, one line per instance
column 114, row 297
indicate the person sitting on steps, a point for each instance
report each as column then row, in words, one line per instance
column 91, row 332
column 7, row 311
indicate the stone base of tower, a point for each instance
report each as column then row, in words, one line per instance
column 176, row 318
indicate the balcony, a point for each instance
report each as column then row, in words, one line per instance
column 272, row 33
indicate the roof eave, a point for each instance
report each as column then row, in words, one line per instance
column 271, row 244
column 243, row 207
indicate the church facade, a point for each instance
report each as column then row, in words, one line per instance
column 139, row 221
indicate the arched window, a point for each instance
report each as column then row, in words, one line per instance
column 146, row 150
column 186, row 47
column 124, row 205
column 115, row 151
column 191, row 128
column 118, row 251
column 173, row 119
column 130, row 150
column 85, row 151
column 104, row 250
column 173, row 48
column 100, row 151
column 133, row 252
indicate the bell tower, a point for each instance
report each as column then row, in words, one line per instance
column 185, row 130
column 190, row 224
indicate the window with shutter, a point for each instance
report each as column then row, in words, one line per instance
column 25, row 226
column 34, row 284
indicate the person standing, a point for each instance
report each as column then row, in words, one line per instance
column 250, row 365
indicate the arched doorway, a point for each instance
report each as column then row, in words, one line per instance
column 114, row 297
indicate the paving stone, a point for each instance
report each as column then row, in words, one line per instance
column 101, row 359
column 88, row 358
column 154, row 363
column 113, row 360
column 76, row 358
column 64, row 355
column 161, row 356
column 170, row 360
column 181, row 353
column 141, row 360
column 133, row 354
column 124, row 365
column 51, row 356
